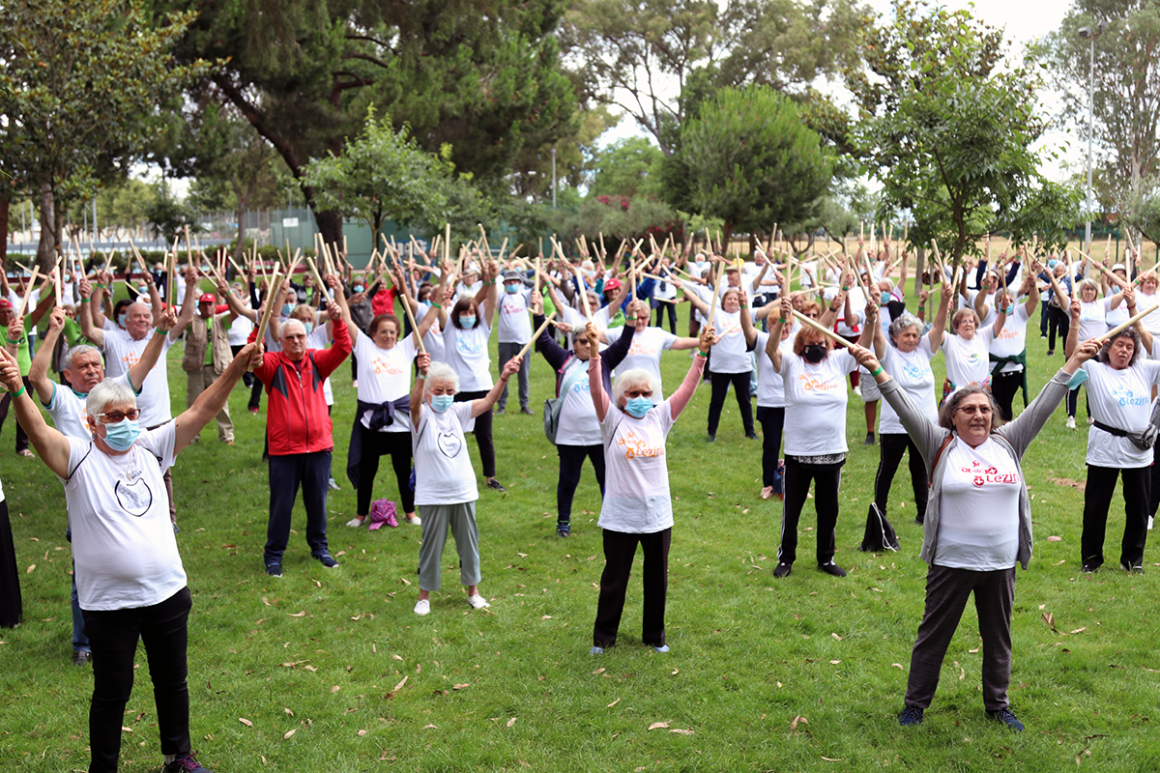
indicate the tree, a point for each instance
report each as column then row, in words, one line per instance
column 948, row 126
column 748, row 159
column 630, row 167
column 482, row 80
column 635, row 51
column 77, row 81
column 1127, row 90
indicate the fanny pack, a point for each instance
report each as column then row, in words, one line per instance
column 1143, row 440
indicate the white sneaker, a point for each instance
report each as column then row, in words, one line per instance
column 354, row 523
column 1091, row 421
column 414, row 520
column 478, row 602
column 1071, row 422
column 423, row 607
column 1149, row 523
column 858, row 390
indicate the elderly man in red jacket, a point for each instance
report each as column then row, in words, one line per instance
column 298, row 426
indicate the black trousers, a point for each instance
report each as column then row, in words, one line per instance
column 1004, row 387
column 797, row 485
column 571, row 465
column 374, row 446
column 619, row 551
column 482, row 432
column 671, row 310
column 772, row 422
column 113, row 636
column 893, row 447
column 247, row 377
column 21, row 435
column 1097, row 499
column 287, row 473
column 720, row 383
column 947, row 591
column 1057, row 320
column 11, row 605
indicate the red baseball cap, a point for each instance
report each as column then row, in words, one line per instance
column 207, row 298
column 612, row 284
column 5, row 303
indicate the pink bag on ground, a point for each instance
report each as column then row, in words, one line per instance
column 382, row 511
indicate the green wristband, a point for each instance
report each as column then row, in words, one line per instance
column 780, row 321
column 435, row 305
column 845, row 289
column 14, row 342
column 877, row 371
column 701, row 353
column 18, row 393
column 85, row 300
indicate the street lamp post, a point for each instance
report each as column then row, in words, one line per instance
column 553, row 178
column 1090, row 35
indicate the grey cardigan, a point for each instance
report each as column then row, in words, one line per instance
column 1015, row 436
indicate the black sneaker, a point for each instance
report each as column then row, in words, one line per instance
column 782, row 570
column 185, row 763
column 1135, row 569
column 563, row 529
column 911, row 715
column 869, row 441
column 525, row 410
column 82, row 657
column 832, row 568
column 326, row 560
column 1090, row 568
column 496, row 485
column 712, row 438
column 274, row 568
column 751, row 436
column 500, row 411
column 1008, row 718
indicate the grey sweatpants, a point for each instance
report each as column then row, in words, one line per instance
column 506, row 352
column 460, row 518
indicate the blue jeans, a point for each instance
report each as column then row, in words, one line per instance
column 311, row 471
column 80, row 642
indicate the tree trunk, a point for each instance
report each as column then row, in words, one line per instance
column 4, row 202
column 240, row 247
column 46, row 249
column 919, row 267
column 752, row 244
column 330, row 226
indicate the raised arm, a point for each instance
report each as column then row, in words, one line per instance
column 423, row 363
column 595, row 380
column 694, row 299
column 773, row 345
column 88, row 327
column 189, row 307
column 684, row 393
column 51, row 446
column 153, row 350
column 38, row 373
column 939, row 327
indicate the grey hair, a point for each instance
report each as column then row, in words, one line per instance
column 441, row 371
column 290, row 322
column 146, row 306
column 902, row 322
column 81, row 349
column 636, row 377
column 1129, row 333
column 1088, row 282
column 946, row 412
column 106, row 393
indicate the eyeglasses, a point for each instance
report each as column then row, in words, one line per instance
column 116, row 417
column 973, row 409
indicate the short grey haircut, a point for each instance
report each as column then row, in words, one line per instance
column 902, row 322
column 1088, row 282
column 441, row 371
column 290, row 322
column 146, row 306
column 636, row 377
column 109, row 392
column 81, row 349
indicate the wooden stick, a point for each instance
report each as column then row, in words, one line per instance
column 1108, row 336
column 716, row 296
column 28, row 292
column 821, row 328
column 56, row 284
column 273, row 289
column 447, row 242
column 411, row 318
column 537, row 278
column 600, row 235
column 313, row 268
column 731, row 328
column 536, row 335
column 171, row 276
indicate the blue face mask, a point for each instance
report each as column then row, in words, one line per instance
column 1010, row 309
column 638, row 406
column 121, row 319
column 886, row 298
column 122, row 435
column 309, row 327
column 467, row 322
column 1052, row 263
column 511, row 289
column 287, row 308
column 440, row 403
column 358, row 288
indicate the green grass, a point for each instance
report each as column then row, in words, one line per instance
column 749, row 654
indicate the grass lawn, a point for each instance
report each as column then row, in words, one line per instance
column 329, row 670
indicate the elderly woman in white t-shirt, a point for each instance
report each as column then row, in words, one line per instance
column 129, row 574
column 815, row 430
column 638, row 508
column 908, row 355
column 729, row 360
column 967, row 350
column 1092, row 320
column 978, row 525
column 445, row 487
column 1008, row 347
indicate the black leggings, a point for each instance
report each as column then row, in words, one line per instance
column 374, row 446
column 482, row 432
column 772, row 421
column 1004, row 387
column 21, row 435
column 720, row 383
column 1057, row 319
column 893, row 447
column 1097, row 500
column 571, row 465
column 672, row 310
column 797, row 486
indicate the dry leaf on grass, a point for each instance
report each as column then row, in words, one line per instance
column 613, row 703
column 289, row 733
column 1078, row 485
column 836, row 637
column 362, row 732
column 898, row 666
column 334, row 689
column 831, row 759
column 266, row 602
column 1080, row 630
column 1054, row 538
column 659, row 726
column 397, row 657
column 546, row 617
column 288, row 711
column 430, row 727
column 300, row 614
column 245, row 722
column 461, row 686
column 681, row 730
column 30, row 568
column 511, row 721
column 793, row 725
column 399, row 686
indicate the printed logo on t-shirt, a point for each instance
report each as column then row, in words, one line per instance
column 638, row 447
column 638, row 349
column 382, row 366
column 915, row 372
column 449, row 443
column 135, row 498
column 463, row 346
column 811, row 383
column 1125, row 397
column 1006, row 334
column 981, row 476
column 130, row 359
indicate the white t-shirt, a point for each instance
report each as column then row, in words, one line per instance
column 319, row 338
column 770, row 387
column 729, row 355
column 515, row 324
column 443, row 472
column 913, row 373
column 979, row 508
column 384, row 375
column 665, row 290
column 857, row 306
column 1093, row 318
column 636, row 478
column 122, row 539
column 1012, row 339
column 645, row 353
column 815, row 397
column 433, row 341
column 241, row 328
column 578, row 423
column 968, row 362
column 1143, row 301
column 67, row 409
column 122, row 353
column 1118, row 315
column 1121, row 399
column 466, row 351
